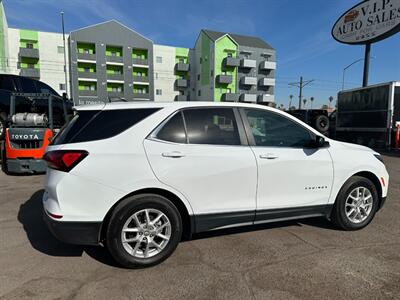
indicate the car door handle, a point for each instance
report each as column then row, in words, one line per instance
column 268, row 156
column 173, row 154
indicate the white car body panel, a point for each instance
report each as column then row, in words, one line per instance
column 215, row 178
column 293, row 177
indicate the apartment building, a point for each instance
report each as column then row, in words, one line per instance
column 110, row 62
column 231, row 67
column 34, row 54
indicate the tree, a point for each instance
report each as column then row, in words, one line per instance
column 290, row 101
column 330, row 101
column 312, row 100
column 304, row 102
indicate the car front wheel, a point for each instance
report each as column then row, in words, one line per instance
column 356, row 204
column 143, row 231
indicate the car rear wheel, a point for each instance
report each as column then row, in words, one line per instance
column 144, row 230
column 356, row 204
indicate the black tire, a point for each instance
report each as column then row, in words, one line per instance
column 125, row 210
column 339, row 217
column 3, row 125
column 322, row 123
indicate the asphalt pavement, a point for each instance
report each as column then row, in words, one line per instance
column 306, row 259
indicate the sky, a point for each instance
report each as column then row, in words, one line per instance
column 299, row 30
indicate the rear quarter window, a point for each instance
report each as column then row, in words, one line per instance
column 93, row 125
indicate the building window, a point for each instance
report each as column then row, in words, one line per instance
column 198, row 76
column 212, row 73
column 62, row 86
column 29, row 45
column 156, row 75
column 201, row 60
column 199, row 92
column 89, row 87
column 159, row 92
column 60, row 49
column 116, row 89
column 159, row 59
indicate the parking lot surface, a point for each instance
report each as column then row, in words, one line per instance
column 307, row 259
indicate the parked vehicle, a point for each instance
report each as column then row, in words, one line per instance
column 316, row 118
column 137, row 176
column 30, row 133
column 368, row 116
column 19, row 84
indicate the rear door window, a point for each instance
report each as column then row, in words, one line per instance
column 93, row 125
column 212, row 126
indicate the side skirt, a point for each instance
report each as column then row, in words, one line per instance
column 205, row 222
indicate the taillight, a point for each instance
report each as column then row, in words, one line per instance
column 64, row 160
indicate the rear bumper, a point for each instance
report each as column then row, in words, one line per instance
column 26, row 166
column 78, row 233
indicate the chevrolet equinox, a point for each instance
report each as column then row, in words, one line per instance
column 136, row 177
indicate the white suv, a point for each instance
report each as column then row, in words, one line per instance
column 137, row 176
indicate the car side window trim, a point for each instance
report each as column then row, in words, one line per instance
column 239, row 122
column 250, row 135
column 153, row 135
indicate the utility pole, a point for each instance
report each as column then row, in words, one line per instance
column 301, row 85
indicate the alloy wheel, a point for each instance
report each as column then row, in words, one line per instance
column 146, row 233
column 358, row 205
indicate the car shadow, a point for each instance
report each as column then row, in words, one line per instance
column 30, row 215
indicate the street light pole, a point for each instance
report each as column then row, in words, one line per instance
column 65, row 54
column 354, row 62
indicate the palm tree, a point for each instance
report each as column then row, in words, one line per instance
column 330, row 101
column 290, row 101
column 304, row 102
column 312, row 100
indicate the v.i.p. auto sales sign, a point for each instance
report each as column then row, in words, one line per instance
column 368, row 22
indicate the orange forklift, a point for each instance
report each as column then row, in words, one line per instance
column 29, row 133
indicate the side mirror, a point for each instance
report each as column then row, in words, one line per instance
column 320, row 142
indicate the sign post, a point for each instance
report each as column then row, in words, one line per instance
column 366, row 23
column 367, row 58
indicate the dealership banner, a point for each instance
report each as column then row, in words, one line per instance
column 368, row 22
